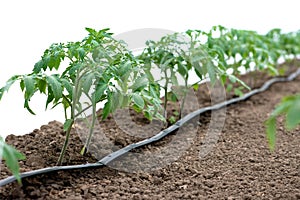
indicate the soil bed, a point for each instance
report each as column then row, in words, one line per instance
column 239, row 166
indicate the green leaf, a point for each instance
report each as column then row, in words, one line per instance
column 195, row 86
column 69, row 87
column 68, row 123
column 172, row 97
column 100, row 91
column 26, row 105
column 22, row 85
column 11, row 157
column 282, row 107
column 139, row 83
column 271, row 132
column 211, row 73
column 49, row 98
column 138, row 100
column 42, row 85
column 54, row 62
column 106, row 109
column 39, row 66
column 1, row 93
column 125, row 70
column 234, row 79
column 55, row 86
column 182, row 69
column 116, row 101
column 174, row 80
column 88, row 81
column 29, row 83
column 293, row 115
column 148, row 115
column 8, row 84
column 81, row 53
column 238, row 92
column 91, row 31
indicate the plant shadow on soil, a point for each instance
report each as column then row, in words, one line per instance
column 240, row 166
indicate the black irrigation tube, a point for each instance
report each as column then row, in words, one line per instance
column 104, row 161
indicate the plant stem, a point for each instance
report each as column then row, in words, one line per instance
column 68, row 132
column 63, row 151
column 91, row 130
column 166, row 94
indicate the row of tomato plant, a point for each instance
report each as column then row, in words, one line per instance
column 103, row 69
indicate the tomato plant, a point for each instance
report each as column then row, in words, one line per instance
column 176, row 55
column 98, row 62
column 102, row 69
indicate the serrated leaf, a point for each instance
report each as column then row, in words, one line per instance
column 11, row 157
column 99, row 92
column 138, row 100
column 50, row 98
column 88, row 81
column 69, row 87
column 42, row 85
column 81, row 53
column 106, row 109
column 55, row 86
column 182, row 69
column 54, row 62
column 29, row 83
column 39, row 66
column 91, row 31
column 139, row 83
column 8, row 84
column 22, row 85
column 68, row 123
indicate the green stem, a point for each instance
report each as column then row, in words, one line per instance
column 166, row 95
column 91, row 131
column 63, row 151
column 68, row 132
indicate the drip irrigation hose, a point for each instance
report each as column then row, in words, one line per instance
column 107, row 159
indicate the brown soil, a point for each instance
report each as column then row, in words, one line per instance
column 239, row 165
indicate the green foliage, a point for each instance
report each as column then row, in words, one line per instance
column 11, row 157
column 102, row 69
column 290, row 107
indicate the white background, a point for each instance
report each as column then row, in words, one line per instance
column 29, row 27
